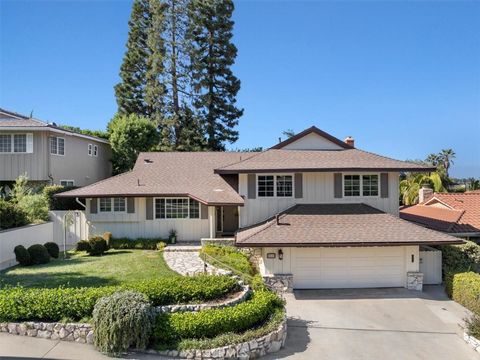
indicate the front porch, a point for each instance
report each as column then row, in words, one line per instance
column 223, row 223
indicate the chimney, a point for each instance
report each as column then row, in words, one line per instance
column 424, row 194
column 350, row 141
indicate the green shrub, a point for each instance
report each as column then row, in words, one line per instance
column 140, row 243
column 11, row 216
column 27, row 304
column 210, row 323
column 38, row 254
column 82, row 245
column 473, row 326
column 35, row 206
column 56, row 203
column 464, row 288
column 52, row 249
column 229, row 256
column 161, row 246
column 460, row 258
column 122, row 320
column 22, row 255
column 98, row 246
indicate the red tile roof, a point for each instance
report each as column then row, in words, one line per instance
column 453, row 213
column 338, row 225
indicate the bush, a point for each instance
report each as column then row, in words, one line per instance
column 229, row 256
column 161, row 246
column 210, row 323
column 11, row 216
column 140, row 243
column 38, row 254
column 473, row 326
column 122, row 320
column 107, row 236
column 35, row 206
column 56, row 203
column 464, row 288
column 97, row 246
column 82, row 245
column 460, row 258
column 52, row 249
column 22, row 255
column 27, row 304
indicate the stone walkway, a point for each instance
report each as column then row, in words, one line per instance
column 189, row 263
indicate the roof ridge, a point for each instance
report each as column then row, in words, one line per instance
column 389, row 158
column 238, row 162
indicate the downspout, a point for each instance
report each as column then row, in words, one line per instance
column 79, row 202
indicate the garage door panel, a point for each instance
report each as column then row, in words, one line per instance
column 348, row 267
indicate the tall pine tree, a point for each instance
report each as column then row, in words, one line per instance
column 211, row 55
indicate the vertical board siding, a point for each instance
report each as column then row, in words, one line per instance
column 431, row 267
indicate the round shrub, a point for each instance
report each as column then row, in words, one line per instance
column 122, row 320
column 38, row 254
column 98, row 246
column 83, row 245
column 52, row 249
column 22, row 255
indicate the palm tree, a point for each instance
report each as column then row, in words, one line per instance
column 473, row 184
column 433, row 159
column 288, row 133
column 411, row 185
column 446, row 157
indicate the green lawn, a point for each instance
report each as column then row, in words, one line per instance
column 113, row 268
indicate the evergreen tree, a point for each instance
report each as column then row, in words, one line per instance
column 130, row 92
column 211, row 55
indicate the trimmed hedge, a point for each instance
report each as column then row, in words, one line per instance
column 11, row 216
column 56, row 203
column 140, row 243
column 98, row 246
column 460, row 258
column 18, row 303
column 22, row 255
column 229, row 256
column 38, row 254
column 52, row 249
column 173, row 327
column 464, row 288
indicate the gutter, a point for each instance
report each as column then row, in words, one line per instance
column 343, row 169
column 351, row 244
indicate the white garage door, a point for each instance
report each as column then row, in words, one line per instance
column 328, row 268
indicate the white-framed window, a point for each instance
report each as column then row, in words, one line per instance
column 16, row 143
column 95, row 150
column 360, row 185
column 67, row 183
column 90, row 146
column 57, row 145
column 274, row 185
column 176, row 208
column 116, row 204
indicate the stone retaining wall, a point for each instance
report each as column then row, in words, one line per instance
column 82, row 333
column 280, row 283
column 252, row 349
column 472, row 341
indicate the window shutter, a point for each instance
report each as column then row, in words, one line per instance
column 337, row 185
column 149, row 208
column 252, row 186
column 30, row 143
column 204, row 211
column 384, row 185
column 93, row 206
column 130, row 205
column 298, row 185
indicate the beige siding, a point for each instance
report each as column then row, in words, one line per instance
column 135, row 225
column 312, row 141
column 35, row 164
column 317, row 189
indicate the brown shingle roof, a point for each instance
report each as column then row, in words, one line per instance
column 460, row 214
column 338, row 225
column 171, row 174
column 275, row 160
column 12, row 119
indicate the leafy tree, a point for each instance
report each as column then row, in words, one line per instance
column 411, row 185
column 129, row 136
column 288, row 133
column 213, row 83
column 473, row 184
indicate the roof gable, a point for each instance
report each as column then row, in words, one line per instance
column 312, row 139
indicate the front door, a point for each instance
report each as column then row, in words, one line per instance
column 227, row 220
column 219, row 218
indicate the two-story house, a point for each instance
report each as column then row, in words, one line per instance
column 313, row 208
column 47, row 153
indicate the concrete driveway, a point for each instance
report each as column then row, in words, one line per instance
column 374, row 324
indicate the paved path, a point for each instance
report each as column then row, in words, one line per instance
column 189, row 263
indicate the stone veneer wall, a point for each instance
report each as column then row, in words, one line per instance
column 252, row 349
column 472, row 341
column 280, row 283
column 82, row 333
column 414, row 280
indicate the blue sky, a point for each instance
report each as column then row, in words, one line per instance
column 403, row 78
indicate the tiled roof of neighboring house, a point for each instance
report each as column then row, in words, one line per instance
column 453, row 213
column 171, row 174
column 338, row 225
column 275, row 160
column 12, row 120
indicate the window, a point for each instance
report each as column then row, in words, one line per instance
column 20, row 143
column 67, row 183
column 177, row 208
column 95, row 150
column 119, row 204
column 370, row 185
column 105, row 205
column 265, row 186
column 364, row 185
column 284, row 186
column 5, row 143
column 57, row 146
column 89, row 149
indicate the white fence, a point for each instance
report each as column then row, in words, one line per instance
column 431, row 265
column 54, row 230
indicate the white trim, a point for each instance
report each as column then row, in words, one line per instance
column 72, row 181
column 176, row 197
column 361, row 186
column 426, row 203
column 56, row 140
column 275, row 175
column 28, row 146
column 55, row 130
column 112, row 205
column 90, row 149
column 95, row 150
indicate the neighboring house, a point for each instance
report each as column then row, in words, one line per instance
column 457, row 214
column 47, row 153
column 316, row 210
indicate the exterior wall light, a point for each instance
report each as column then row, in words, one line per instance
column 280, row 254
